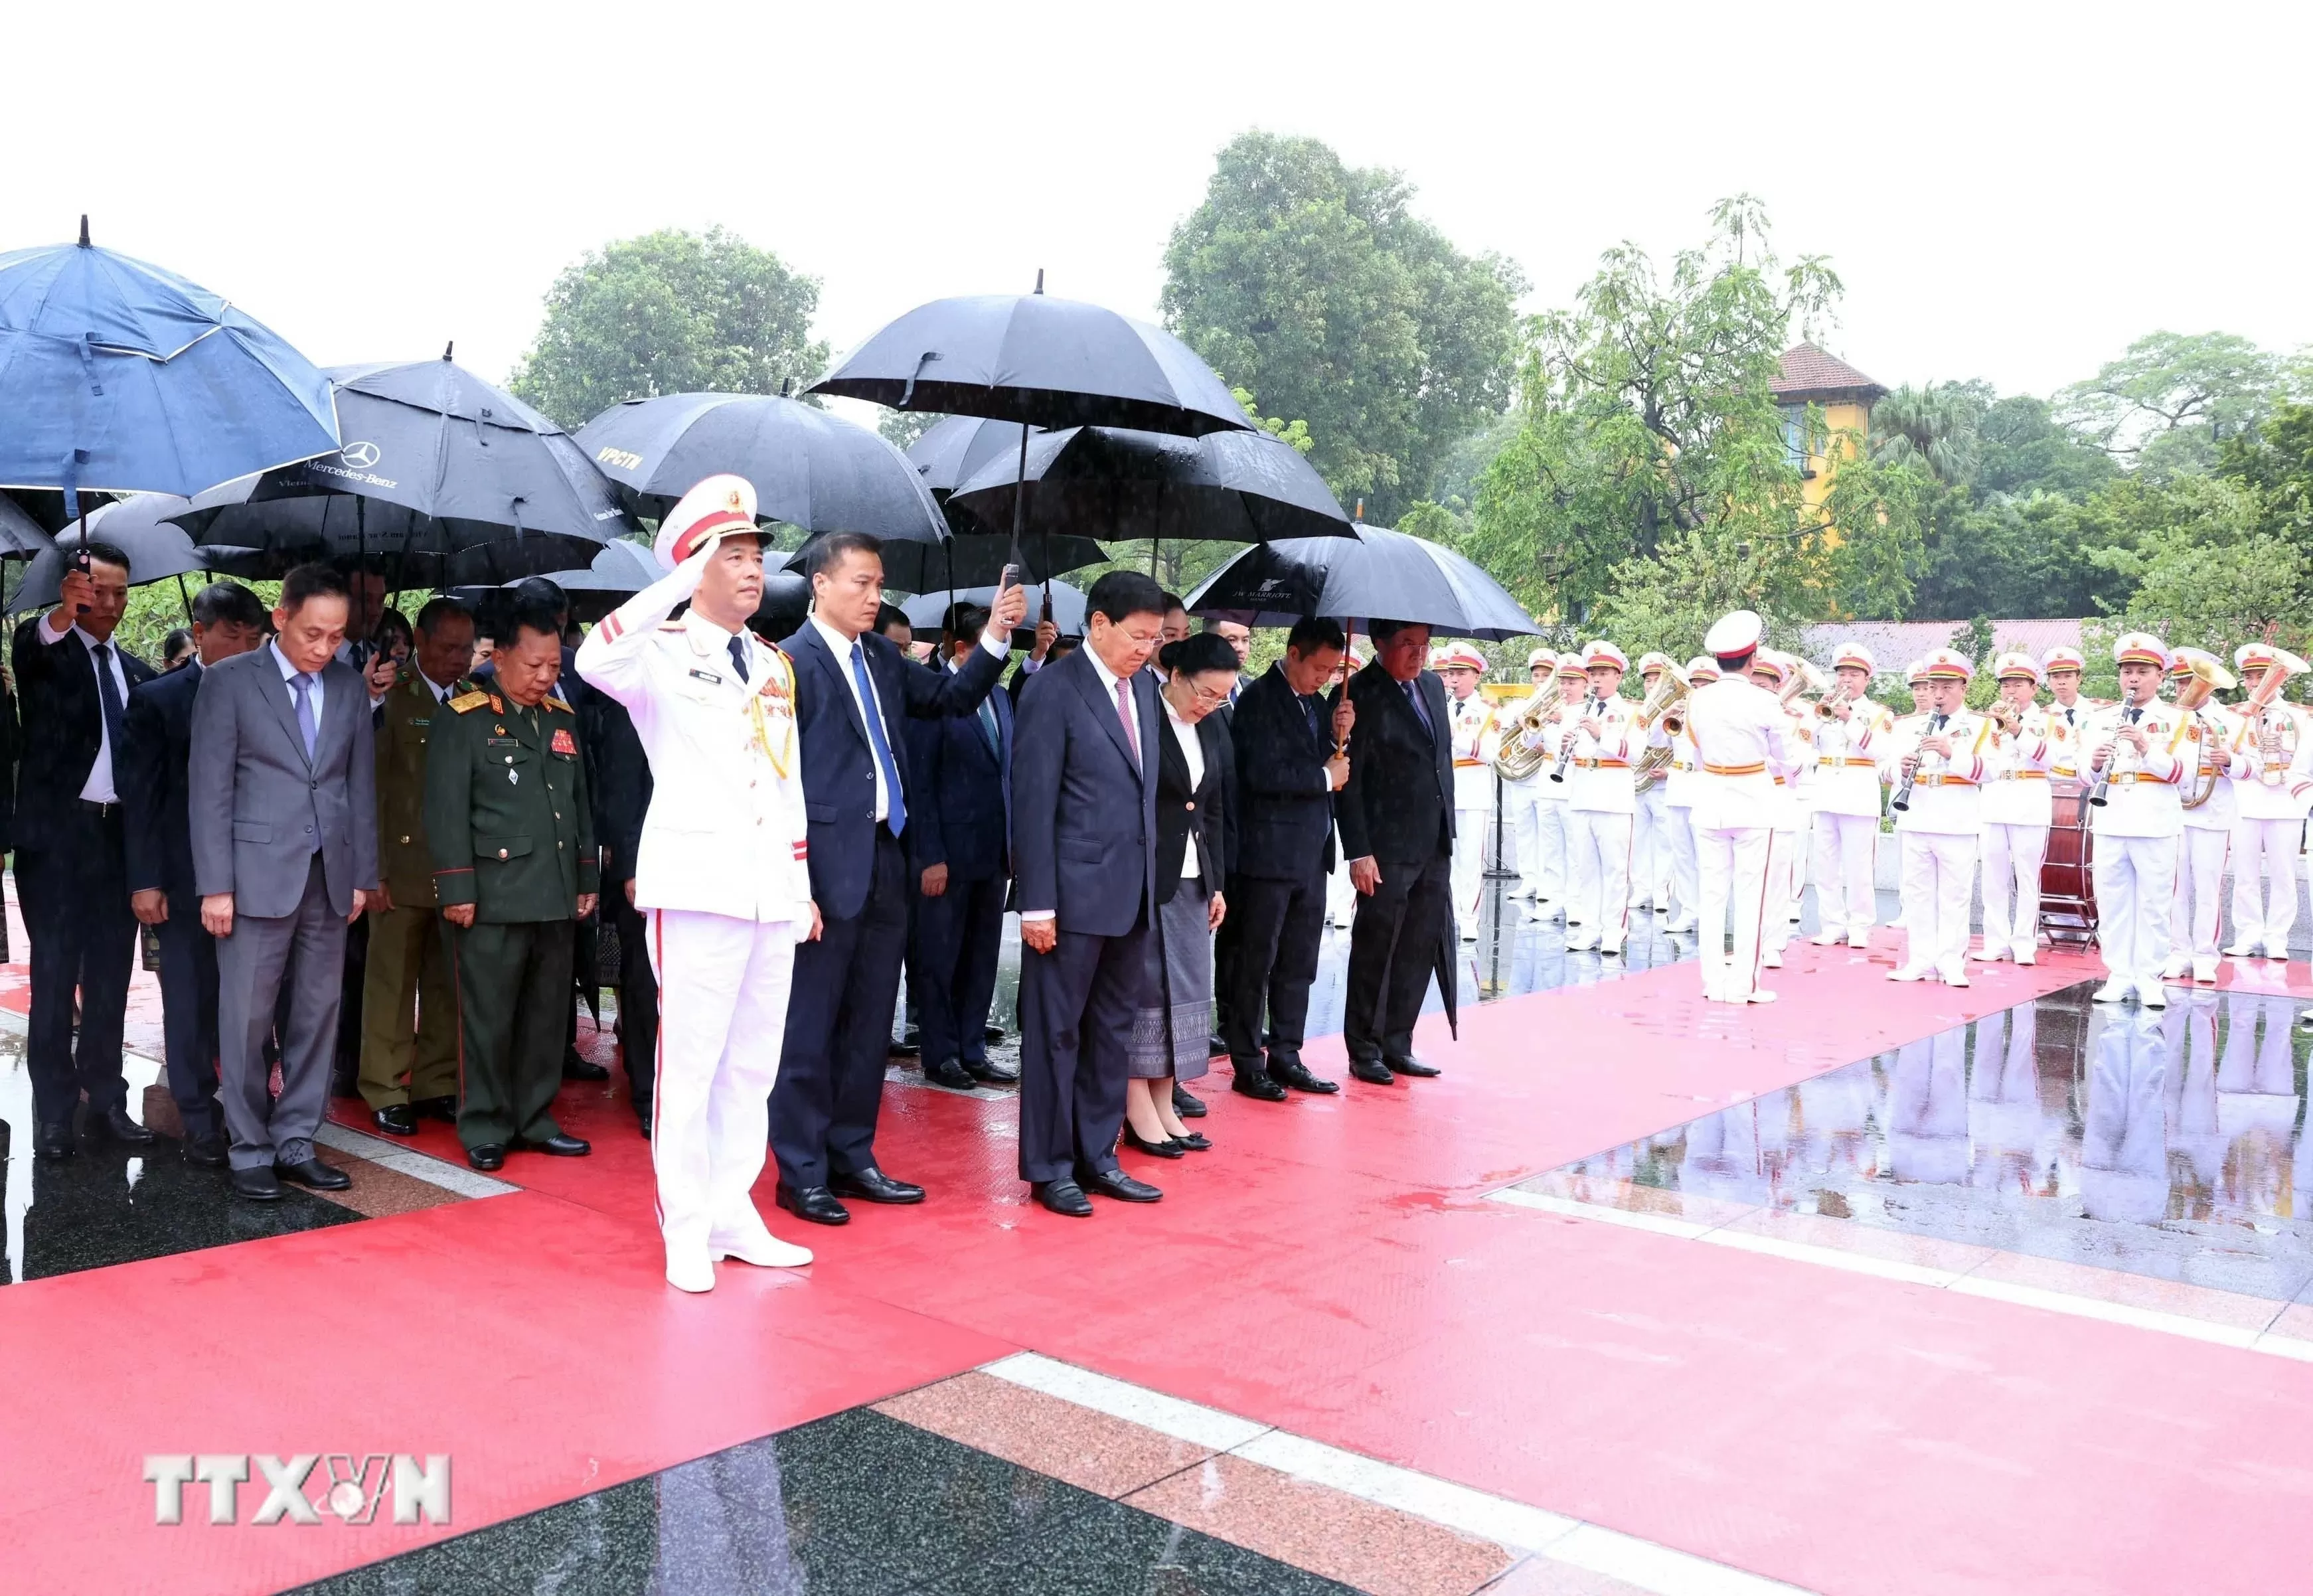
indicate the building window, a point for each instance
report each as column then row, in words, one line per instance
column 1795, row 437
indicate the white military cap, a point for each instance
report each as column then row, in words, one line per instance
column 1732, row 635
column 1652, row 661
column 2063, row 659
column 2260, row 657
column 1548, row 656
column 1702, row 668
column 1458, row 656
column 1947, row 665
column 721, row 504
column 1599, row 651
column 2141, row 648
column 1773, row 664
column 1853, row 653
column 2017, row 667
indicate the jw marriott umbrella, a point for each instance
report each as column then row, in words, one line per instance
column 1380, row 575
column 810, row 467
column 117, row 375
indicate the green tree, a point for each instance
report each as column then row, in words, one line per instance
column 1932, row 428
column 2277, row 461
column 2024, row 450
column 2172, row 398
column 901, row 429
column 1314, row 285
column 670, row 312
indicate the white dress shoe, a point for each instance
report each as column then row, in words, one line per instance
column 1989, row 956
column 762, row 1249
column 2155, row 996
column 1770, row 961
column 2241, row 950
column 1827, row 938
column 1957, row 978
column 2175, row 967
column 2111, row 992
column 1909, row 972
column 690, row 1269
column 1860, row 939
column 2027, row 956
column 1759, row 994
column 2204, row 971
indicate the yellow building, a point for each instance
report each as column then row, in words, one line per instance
column 1846, row 396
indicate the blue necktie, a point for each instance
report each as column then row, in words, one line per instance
column 897, row 820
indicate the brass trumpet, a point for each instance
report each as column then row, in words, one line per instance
column 1828, row 707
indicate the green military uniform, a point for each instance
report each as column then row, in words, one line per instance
column 408, row 956
column 511, row 831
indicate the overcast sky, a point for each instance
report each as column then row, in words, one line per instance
column 2012, row 191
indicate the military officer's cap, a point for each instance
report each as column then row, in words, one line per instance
column 1599, row 651
column 2063, row 659
column 1731, row 637
column 720, row 505
column 1947, row 665
column 2263, row 656
column 1548, row 656
column 1702, row 668
column 2017, row 667
column 1458, row 656
column 2141, row 648
column 1853, row 655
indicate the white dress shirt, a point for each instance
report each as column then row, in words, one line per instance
column 99, row 787
column 1193, row 749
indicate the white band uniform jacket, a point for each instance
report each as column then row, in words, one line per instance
column 2210, row 745
column 2017, row 792
column 2289, row 797
column 1598, row 777
column 1847, row 759
column 1678, row 776
column 725, row 831
column 1945, row 797
column 1743, row 739
column 2142, row 799
column 1477, row 739
column 1793, row 791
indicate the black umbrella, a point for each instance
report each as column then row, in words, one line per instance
column 810, row 468
column 955, row 450
column 21, row 536
column 450, row 479
column 1230, row 487
column 156, row 549
column 1382, row 575
column 785, row 601
column 924, row 611
column 623, row 570
column 974, row 561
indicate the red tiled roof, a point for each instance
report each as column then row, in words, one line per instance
column 1894, row 642
column 1808, row 373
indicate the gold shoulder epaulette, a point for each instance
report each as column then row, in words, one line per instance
column 468, row 702
column 553, row 702
column 670, row 626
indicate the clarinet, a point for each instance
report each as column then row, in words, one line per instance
column 1566, row 749
column 2101, row 793
column 1903, row 799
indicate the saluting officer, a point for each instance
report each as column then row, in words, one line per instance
column 513, row 841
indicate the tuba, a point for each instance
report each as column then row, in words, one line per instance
column 1805, row 678
column 1665, row 702
column 2272, row 732
column 1517, row 762
column 2208, row 679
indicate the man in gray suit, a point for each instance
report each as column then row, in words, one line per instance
column 283, row 813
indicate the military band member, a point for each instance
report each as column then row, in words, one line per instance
column 721, row 869
column 2273, row 794
column 1600, row 803
column 1537, row 825
column 1650, row 847
column 2061, row 668
column 2210, row 762
column 1847, row 799
column 1742, row 741
column 1915, row 682
column 1678, row 808
column 1772, row 670
column 2135, row 755
column 1941, row 757
column 512, row 838
column 2016, row 810
column 1477, row 739
column 1573, row 688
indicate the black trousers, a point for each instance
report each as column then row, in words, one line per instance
column 1279, row 927
column 74, row 895
column 838, row 1033
column 189, row 1015
column 345, row 1067
column 1393, row 948
column 638, row 997
column 514, row 984
column 1079, row 1004
column 958, row 935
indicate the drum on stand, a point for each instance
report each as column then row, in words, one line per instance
column 2068, row 905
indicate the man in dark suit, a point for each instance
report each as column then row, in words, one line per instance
column 960, row 849
column 1287, row 774
column 853, row 691
column 155, row 753
column 72, row 874
column 621, row 778
column 1084, row 842
column 1396, row 816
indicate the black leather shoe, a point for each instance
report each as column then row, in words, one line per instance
column 1367, row 1070
column 560, row 1145
column 206, row 1152
column 260, row 1185
column 1415, row 1067
column 445, row 1109
column 994, row 1032
column 1166, row 1149
column 815, row 1204
column 574, row 1068
column 396, row 1119
column 1295, row 1074
column 489, row 1156
column 988, row 1074
column 1117, row 1184
column 315, row 1174
column 911, row 1043
column 1187, row 1105
column 344, row 1082
column 116, row 1123
column 1195, row 1141
column 1215, row 1047
column 53, row 1144
column 948, row 1074
column 1063, row 1197
column 1256, row 1083
column 872, row 1186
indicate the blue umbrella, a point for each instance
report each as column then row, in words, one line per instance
column 117, row 375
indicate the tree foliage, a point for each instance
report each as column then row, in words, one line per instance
column 1314, row 285
column 2169, row 403
column 670, row 312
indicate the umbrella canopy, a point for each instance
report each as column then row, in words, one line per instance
column 156, row 549
column 1382, row 575
column 785, row 601
column 810, row 468
column 617, row 573
column 21, row 536
column 117, row 375
column 443, row 479
column 1231, row 487
column 924, row 611
column 952, row 451
column 974, row 561
column 1047, row 362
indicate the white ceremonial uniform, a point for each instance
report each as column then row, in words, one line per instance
column 2272, row 798
column 1649, row 836
column 2018, row 806
column 1534, row 825
column 1476, row 739
column 1847, row 796
column 1786, row 857
column 1678, row 829
column 2136, row 830
column 723, row 875
column 2205, row 841
column 1939, row 837
column 1742, row 740
column 1600, row 805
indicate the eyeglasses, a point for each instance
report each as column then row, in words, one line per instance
column 1208, row 697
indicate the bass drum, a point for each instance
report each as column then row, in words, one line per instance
column 2068, row 905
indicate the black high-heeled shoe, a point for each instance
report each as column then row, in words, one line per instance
column 1195, row 1141
column 1166, row 1149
